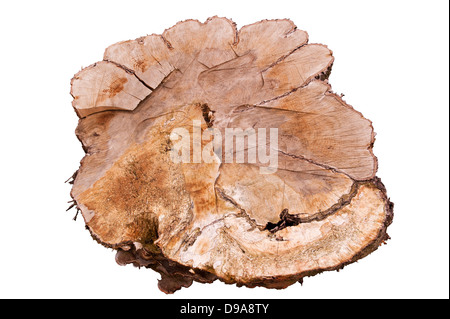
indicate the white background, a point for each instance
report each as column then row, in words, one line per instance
column 391, row 63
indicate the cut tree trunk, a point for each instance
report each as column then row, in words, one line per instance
column 321, row 208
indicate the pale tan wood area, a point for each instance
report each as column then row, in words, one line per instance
column 321, row 209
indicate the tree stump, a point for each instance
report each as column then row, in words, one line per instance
column 181, row 176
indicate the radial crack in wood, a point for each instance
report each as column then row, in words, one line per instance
column 293, row 194
column 105, row 86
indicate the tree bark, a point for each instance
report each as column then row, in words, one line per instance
column 320, row 209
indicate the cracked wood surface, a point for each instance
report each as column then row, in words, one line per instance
column 322, row 209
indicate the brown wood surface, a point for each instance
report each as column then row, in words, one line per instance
column 322, row 209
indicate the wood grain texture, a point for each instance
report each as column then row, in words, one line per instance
column 322, row 208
